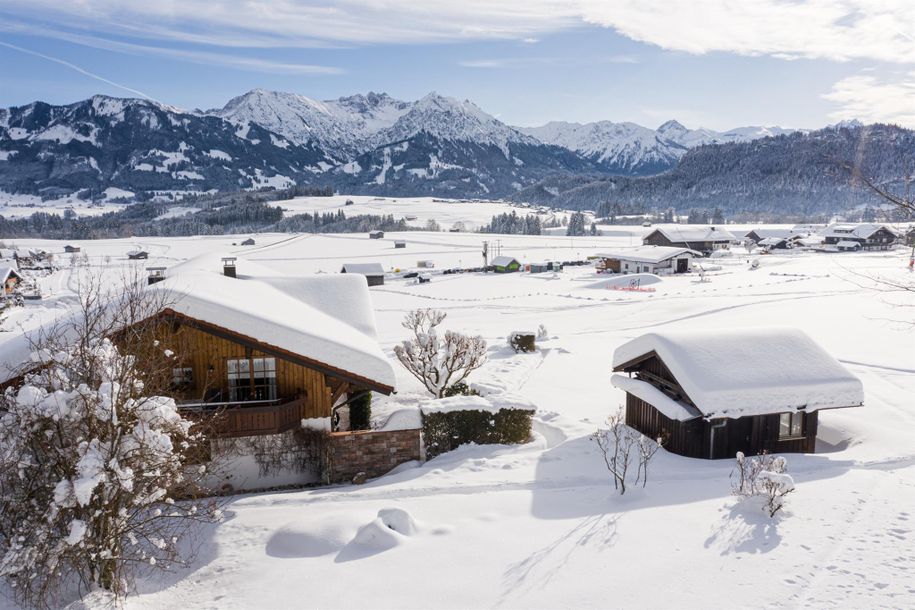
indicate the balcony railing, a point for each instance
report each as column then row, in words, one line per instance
column 247, row 418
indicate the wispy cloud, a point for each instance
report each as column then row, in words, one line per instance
column 872, row 100
column 518, row 62
column 827, row 29
column 75, row 68
column 253, row 64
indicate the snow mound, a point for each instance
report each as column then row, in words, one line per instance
column 643, row 279
column 390, row 529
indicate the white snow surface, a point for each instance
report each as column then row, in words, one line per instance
column 753, row 371
column 648, row 254
column 539, row 525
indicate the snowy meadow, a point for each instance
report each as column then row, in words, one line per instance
column 539, row 525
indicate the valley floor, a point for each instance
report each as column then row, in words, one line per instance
column 539, row 525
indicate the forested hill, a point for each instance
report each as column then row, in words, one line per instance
column 788, row 174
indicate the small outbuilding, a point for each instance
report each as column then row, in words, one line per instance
column 248, row 242
column 712, row 393
column 505, row 264
column 648, row 259
column 399, row 243
column 136, row 255
column 376, row 234
column 373, row 272
column 71, row 249
column 783, row 238
column 9, row 278
column 425, row 264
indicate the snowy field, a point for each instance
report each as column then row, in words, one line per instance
column 444, row 211
column 539, row 525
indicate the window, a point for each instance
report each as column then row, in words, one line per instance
column 182, row 377
column 251, row 378
column 790, row 425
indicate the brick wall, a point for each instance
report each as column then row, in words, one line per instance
column 372, row 452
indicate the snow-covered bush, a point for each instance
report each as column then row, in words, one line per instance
column 438, row 361
column 542, row 333
column 93, row 461
column 763, row 476
column 620, row 445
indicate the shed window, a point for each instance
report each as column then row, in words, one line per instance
column 790, row 425
column 252, row 378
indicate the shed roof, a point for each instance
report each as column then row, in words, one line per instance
column 649, row 254
column 772, row 241
column 858, row 230
column 674, row 409
column 847, row 243
column 363, row 268
column 503, row 261
column 776, row 233
column 737, row 372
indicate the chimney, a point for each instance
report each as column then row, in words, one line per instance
column 156, row 274
column 228, row 266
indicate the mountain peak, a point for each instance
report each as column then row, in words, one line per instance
column 672, row 126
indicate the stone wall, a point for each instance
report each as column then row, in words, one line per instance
column 373, row 452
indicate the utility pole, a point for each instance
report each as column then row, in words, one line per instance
column 485, row 257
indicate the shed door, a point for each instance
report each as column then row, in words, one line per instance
column 682, row 265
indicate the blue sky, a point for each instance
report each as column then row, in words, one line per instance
column 717, row 64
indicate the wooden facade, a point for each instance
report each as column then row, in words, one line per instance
column 710, row 438
column 658, row 238
column 216, row 372
column 881, row 239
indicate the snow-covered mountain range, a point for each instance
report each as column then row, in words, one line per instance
column 368, row 143
column 631, row 149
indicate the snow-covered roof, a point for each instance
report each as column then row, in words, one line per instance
column 737, row 372
column 771, row 241
column 503, row 261
column 776, row 233
column 674, row 409
column 327, row 319
column 700, row 234
column 859, row 230
column 363, row 268
column 6, row 271
column 648, row 254
column 845, row 243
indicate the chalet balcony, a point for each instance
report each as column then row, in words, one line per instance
column 245, row 418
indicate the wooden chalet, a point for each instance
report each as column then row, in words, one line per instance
column 864, row 236
column 136, row 255
column 71, row 249
column 711, row 394
column 266, row 352
column 703, row 239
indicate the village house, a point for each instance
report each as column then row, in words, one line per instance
column 399, row 243
column 10, row 278
column 136, row 255
column 376, row 234
column 864, row 236
column 775, row 239
column 703, row 239
column 373, row 272
column 248, row 242
column 661, row 260
column 712, row 393
column 505, row 264
column 71, row 249
column 256, row 354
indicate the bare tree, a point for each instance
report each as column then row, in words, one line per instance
column 438, row 361
column 763, row 476
column 96, row 463
column 619, row 445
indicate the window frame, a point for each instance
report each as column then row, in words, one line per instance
column 795, row 423
column 252, row 378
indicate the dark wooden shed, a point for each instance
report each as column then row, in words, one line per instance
column 712, row 394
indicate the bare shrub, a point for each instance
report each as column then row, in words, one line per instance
column 763, row 476
column 620, row 445
column 438, row 361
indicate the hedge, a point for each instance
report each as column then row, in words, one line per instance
column 447, row 430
